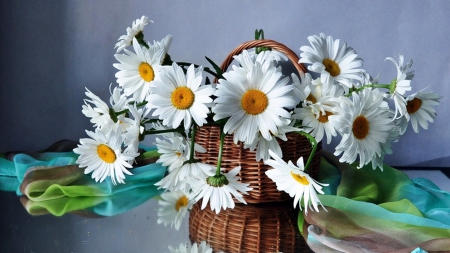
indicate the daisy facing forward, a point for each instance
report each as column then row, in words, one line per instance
column 180, row 97
column 419, row 110
column 293, row 180
column 335, row 63
column 364, row 123
column 173, row 207
column 138, row 70
column 253, row 103
column 102, row 155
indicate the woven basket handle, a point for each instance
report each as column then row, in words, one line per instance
column 263, row 43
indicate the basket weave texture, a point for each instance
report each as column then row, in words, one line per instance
column 270, row 227
column 253, row 172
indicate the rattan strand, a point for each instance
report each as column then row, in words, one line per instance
column 248, row 228
column 253, row 172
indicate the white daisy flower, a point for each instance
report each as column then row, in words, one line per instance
column 317, row 118
column 378, row 159
column 293, row 180
column 100, row 114
column 364, row 123
column 317, row 106
column 172, row 152
column 254, row 103
column 136, row 29
column 248, row 58
column 181, row 97
column 135, row 129
column 102, row 155
column 218, row 190
column 203, row 247
column 137, row 71
column 400, row 85
column 335, row 63
column 164, row 44
column 263, row 146
column 173, row 207
column 420, row 110
column 180, row 177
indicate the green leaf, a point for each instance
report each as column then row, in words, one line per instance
column 216, row 68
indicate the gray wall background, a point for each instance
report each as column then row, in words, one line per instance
column 52, row 50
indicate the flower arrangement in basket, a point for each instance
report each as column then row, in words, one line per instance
column 253, row 126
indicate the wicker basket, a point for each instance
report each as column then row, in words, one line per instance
column 253, row 172
column 248, row 228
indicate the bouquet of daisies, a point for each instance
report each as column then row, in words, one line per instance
column 256, row 103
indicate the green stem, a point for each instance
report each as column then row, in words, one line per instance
column 148, row 132
column 382, row 86
column 127, row 110
column 313, row 142
column 219, row 158
column 193, row 132
column 206, row 69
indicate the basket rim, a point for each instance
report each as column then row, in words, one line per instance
column 292, row 56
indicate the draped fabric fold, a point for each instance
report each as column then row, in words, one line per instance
column 377, row 211
column 51, row 183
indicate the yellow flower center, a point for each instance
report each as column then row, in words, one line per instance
column 413, row 105
column 311, row 98
column 182, row 98
column 360, row 127
column 146, row 72
column 106, row 153
column 301, row 179
column 254, row 102
column 181, row 202
column 324, row 118
column 331, row 67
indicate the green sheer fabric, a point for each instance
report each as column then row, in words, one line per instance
column 377, row 211
column 51, row 182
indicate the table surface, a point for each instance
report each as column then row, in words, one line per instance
column 134, row 231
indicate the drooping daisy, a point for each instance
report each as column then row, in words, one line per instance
column 101, row 115
column 173, row 207
column 137, row 71
column 335, row 63
column 377, row 160
column 400, row 84
column 293, row 180
column 254, row 103
column 136, row 29
column 102, row 155
column 420, row 110
column 135, row 129
column 172, row 152
column 218, row 190
column 203, row 247
column 180, row 177
column 263, row 146
column 181, row 97
column 164, row 44
column 364, row 123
